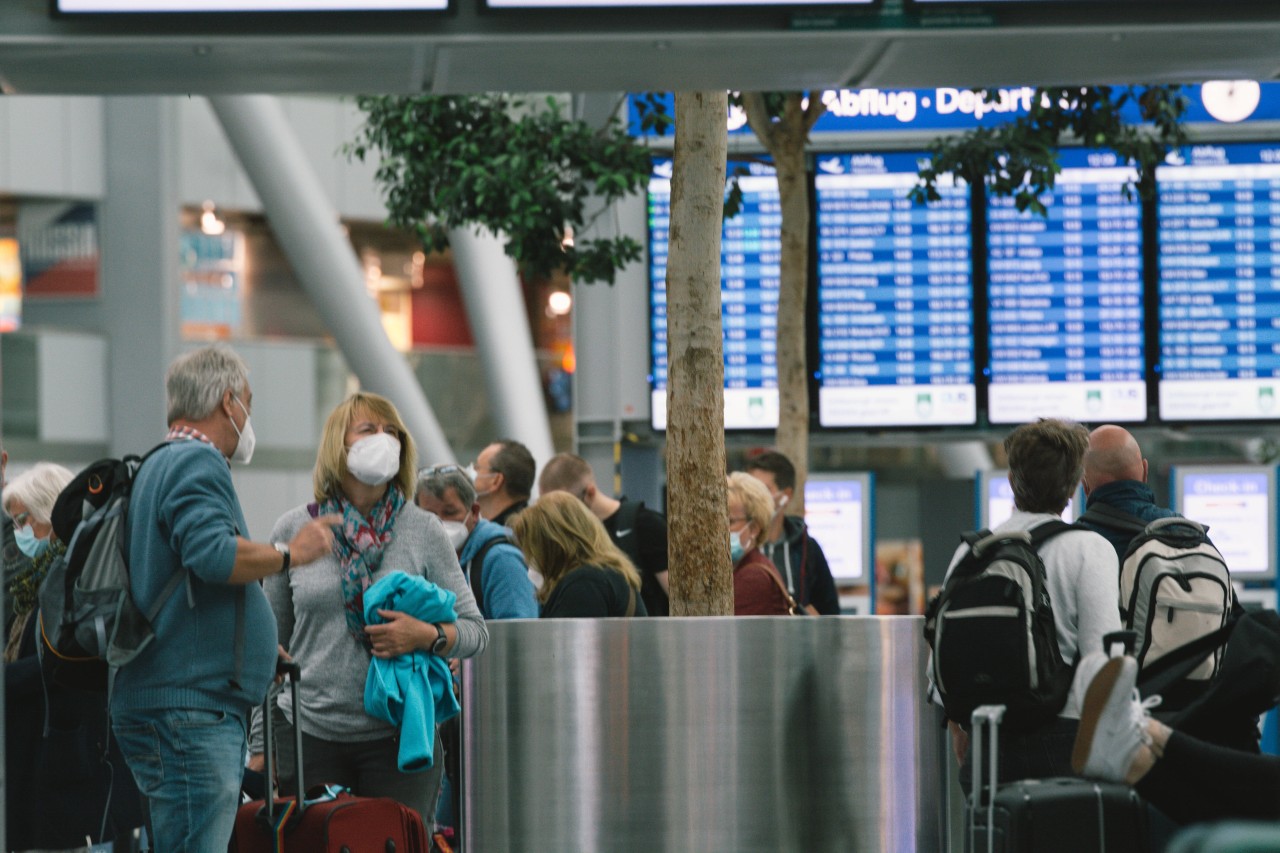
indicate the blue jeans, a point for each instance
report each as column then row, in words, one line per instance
column 188, row 763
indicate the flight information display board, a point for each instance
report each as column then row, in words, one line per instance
column 750, row 254
column 838, row 514
column 895, row 296
column 647, row 4
column 1218, row 209
column 1065, row 299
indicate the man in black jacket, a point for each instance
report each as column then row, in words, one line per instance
column 797, row 555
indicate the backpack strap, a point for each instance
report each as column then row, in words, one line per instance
column 1042, row 533
column 1172, row 667
column 1104, row 515
column 475, row 567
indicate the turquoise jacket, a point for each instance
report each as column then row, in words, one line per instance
column 413, row 691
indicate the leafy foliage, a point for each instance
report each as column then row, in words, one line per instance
column 1019, row 158
column 508, row 164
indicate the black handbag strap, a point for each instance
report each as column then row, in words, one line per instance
column 1157, row 676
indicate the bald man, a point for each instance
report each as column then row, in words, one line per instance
column 1118, row 502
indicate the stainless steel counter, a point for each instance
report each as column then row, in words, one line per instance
column 702, row 735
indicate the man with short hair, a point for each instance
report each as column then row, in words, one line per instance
column 1117, row 498
column 798, row 556
column 1046, row 460
column 180, row 709
column 504, row 480
column 639, row 532
column 494, row 566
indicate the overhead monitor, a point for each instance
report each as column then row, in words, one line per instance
column 995, row 500
column 1065, row 299
column 750, row 254
column 1238, row 505
column 789, row 5
column 838, row 513
column 895, row 296
column 1218, row 214
column 111, row 6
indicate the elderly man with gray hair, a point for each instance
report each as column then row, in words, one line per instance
column 180, row 709
column 494, row 566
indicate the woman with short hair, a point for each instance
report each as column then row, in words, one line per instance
column 365, row 472
column 583, row 573
column 757, row 586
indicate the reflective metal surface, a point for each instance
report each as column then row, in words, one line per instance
column 715, row 734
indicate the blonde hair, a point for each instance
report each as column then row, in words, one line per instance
column 331, row 460
column 559, row 534
column 754, row 496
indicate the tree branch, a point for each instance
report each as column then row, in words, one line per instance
column 757, row 111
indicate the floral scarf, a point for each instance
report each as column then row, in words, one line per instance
column 23, row 592
column 359, row 546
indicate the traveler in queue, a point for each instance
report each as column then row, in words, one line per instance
column 757, row 586
column 364, row 477
column 583, row 573
column 180, row 709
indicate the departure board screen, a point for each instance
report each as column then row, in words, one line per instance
column 1218, row 209
column 895, row 296
column 101, row 6
column 750, row 253
column 1065, row 299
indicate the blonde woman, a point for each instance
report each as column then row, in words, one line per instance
column 757, row 587
column 364, row 472
column 583, row 572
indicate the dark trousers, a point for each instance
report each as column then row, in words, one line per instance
column 1196, row 781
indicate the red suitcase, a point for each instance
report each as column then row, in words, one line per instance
column 335, row 822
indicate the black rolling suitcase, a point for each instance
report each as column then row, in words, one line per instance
column 1059, row 815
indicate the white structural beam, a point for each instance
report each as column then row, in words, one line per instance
column 307, row 225
column 495, row 307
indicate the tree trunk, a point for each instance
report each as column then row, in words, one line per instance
column 785, row 141
column 701, row 575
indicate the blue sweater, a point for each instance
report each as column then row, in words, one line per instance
column 504, row 578
column 184, row 512
column 413, row 691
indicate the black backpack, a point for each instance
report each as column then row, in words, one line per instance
column 88, row 620
column 475, row 568
column 992, row 631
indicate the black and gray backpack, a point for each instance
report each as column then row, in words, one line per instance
column 1175, row 588
column 992, row 631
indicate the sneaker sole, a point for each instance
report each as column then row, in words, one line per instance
column 1095, row 703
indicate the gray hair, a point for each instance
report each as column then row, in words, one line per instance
column 438, row 479
column 38, row 489
column 197, row 380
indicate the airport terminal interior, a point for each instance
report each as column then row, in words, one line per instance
column 176, row 173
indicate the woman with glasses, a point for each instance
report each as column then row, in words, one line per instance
column 365, row 473
column 757, row 587
column 583, row 573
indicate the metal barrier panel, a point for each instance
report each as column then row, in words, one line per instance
column 711, row 734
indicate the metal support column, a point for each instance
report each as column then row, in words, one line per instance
column 309, row 231
column 495, row 307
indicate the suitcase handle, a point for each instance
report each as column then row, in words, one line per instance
column 291, row 672
column 984, row 716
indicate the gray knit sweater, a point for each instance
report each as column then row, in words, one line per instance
column 313, row 628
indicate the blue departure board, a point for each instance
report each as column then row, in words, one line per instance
column 1065, row 299
column 750, row 254
column 895, row 296
column 1218, row 211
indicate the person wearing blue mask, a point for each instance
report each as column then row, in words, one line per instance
column 15, row 562
column 757, row 586
column 28, row 504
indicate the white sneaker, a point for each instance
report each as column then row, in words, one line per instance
column 1113, row 722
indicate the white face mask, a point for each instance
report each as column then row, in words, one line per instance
column 457, row 532
column 374, row 459
column 244, row 447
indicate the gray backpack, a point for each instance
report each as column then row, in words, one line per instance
column 1174, row 589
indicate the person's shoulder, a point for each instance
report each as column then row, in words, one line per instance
column 291, row 521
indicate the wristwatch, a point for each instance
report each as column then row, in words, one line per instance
column 437, row 648
column 283, row 548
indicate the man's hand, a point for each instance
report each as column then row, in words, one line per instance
column 257, row 762
column 281, row 657
column 399, row 635
column 314, row 540
column 959, row 740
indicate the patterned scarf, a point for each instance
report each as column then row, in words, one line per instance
column 359, row 546
column 24, row 587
